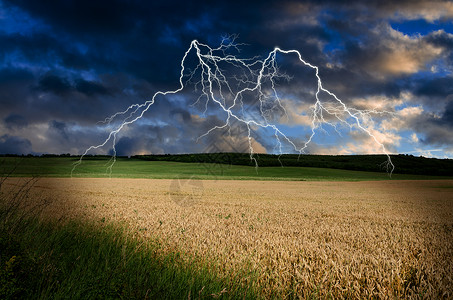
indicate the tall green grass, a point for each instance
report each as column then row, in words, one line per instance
column 74, row 260
column 78, row 261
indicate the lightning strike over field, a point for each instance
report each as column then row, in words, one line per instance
column 245, row 91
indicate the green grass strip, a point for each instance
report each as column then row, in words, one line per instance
column 136, row 168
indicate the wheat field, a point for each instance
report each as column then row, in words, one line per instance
column 386, row 239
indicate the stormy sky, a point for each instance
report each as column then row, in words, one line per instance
column 67, row 65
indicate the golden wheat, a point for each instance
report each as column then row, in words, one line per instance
column 388, row 239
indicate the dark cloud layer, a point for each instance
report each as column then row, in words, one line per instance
column 14, row 144
column 65, row 65
column 15, row 121
column 440, row 87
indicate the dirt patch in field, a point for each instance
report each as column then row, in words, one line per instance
column 343, row 239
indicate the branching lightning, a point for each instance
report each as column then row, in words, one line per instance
column 231, row 94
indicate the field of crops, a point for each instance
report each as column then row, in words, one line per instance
column 292, row 239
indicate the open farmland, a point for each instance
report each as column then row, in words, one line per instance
column 137, row 168
column 296, row 239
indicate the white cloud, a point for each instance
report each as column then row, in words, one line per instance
column 414, row 138
column 398, row 54
column 297, row 114
column 378, row 102
column 431, row 10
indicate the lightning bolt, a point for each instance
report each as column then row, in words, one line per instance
column 229, row 92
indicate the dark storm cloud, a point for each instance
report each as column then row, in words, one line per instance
column 183, row 133
column 11, row 76
column 437, row 87
column 352, row 83
column 128, row 146
column 444, row 40
column 14, row 89
column 447, row 117
column 151, row 139
column 59, row 85
column 59, row 127
column 38, row 99
column 119, row 35
column 435, row 93
column 435, row 134
column 67, row 64
column 14, row 144
column 441, row 38
column 102, row 16
column 90, row 88
column 435, row 129
column 54, row 84
column 15, row 121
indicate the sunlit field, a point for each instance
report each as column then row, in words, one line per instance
column 287, row 239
